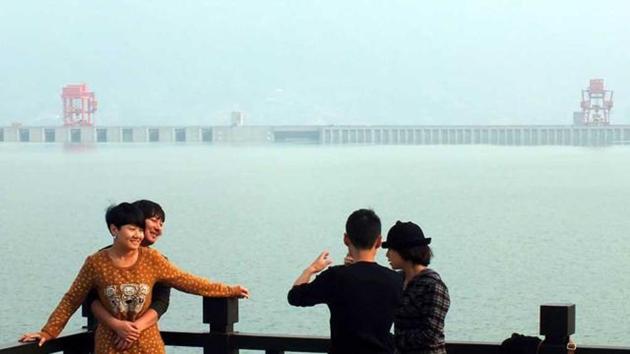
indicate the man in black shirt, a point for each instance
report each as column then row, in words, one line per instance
column 361, row 296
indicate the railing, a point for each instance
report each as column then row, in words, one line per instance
column 557, row 323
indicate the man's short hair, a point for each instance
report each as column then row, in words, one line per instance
column 363, row 228
column 150, row 209
column 124, row 214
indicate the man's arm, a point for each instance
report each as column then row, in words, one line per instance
column 127, row 330
column 307, row 293
column 124, row 329
column 160, row 299
column 148, row 319
column 319, row 264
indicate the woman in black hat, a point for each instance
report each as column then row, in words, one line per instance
column 419, row 319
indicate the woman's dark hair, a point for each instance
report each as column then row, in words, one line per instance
column 124, row 214
column 150, row 209
column 416, row 254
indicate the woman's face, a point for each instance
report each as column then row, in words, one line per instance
column 152, row 230
column 128, row 236
column 394, row 258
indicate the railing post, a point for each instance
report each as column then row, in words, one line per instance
column 87, row 312
column 221, row 314
column 557, row 323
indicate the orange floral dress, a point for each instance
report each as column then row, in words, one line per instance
column 126, row 294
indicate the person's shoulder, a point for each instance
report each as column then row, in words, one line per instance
column 160, row 253
column 333, row 269
column 386, row 271
column 429, row 278
column 104, row 248
column 387, row 274
column 336, row 267
column 152, row 254
column 429, row 275
column 395, row 276
column 96, row 257
column 99, row 253
column 377, row 269
column 331, row 272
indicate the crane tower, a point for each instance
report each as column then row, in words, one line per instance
column 596, row 105
column 79, row 103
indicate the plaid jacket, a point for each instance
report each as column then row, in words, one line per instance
column 419, row 320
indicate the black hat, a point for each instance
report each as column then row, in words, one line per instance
column 404, row 235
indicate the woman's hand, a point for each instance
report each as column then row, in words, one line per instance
column 240, row 291
column 126, row 330
column 34, row 337
column 121, row 344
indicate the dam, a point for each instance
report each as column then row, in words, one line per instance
column 591, row 127
column 512, row 135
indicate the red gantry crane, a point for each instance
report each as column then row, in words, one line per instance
column 79, row 103
column 596, row 105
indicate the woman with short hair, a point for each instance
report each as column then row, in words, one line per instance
column 124, row 275
column 419, row 319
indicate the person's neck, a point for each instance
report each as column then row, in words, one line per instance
column 123, row 253
column 362, row 255
column 411, row 270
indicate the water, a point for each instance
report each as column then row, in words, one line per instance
column 512, row 227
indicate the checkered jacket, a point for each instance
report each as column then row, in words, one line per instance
column 419, row 320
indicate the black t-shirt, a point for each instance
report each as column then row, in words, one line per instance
column 362, row 298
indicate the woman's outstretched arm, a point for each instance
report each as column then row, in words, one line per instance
column 67, row 306
column 186, row 282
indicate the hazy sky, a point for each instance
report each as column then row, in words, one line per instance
column 314, row 62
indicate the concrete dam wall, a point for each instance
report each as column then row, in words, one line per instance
column 326, row 135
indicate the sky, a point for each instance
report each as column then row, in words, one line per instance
column 192, row 62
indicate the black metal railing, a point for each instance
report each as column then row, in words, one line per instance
column 557, row 323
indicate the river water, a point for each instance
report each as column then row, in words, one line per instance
column 512, row 227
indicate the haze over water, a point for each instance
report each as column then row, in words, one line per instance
column 512, row 227
column 314, row 62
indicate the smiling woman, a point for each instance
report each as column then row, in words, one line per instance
column 126, row 238
column 154, row 218
column 124, row 276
